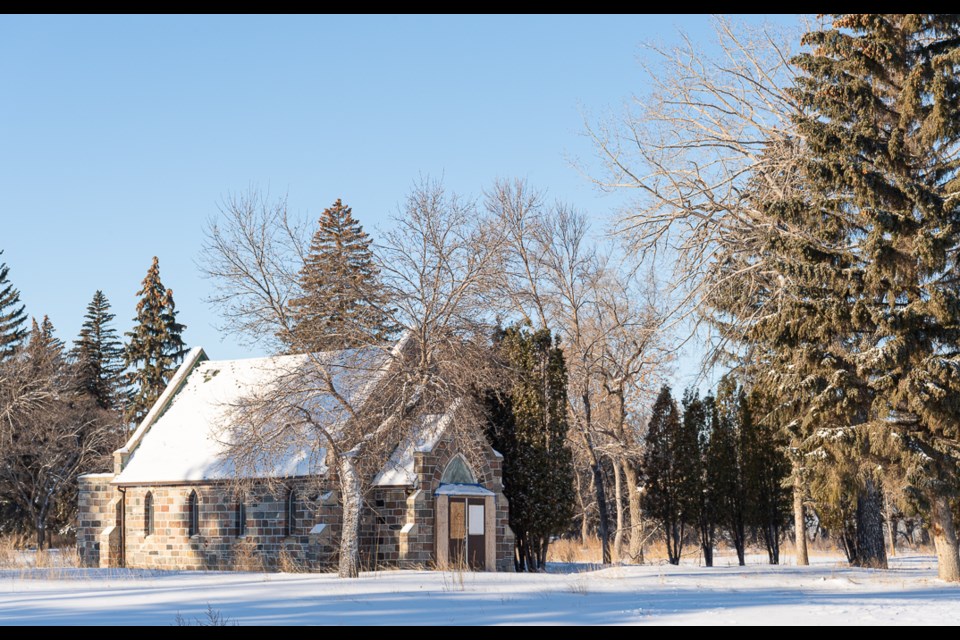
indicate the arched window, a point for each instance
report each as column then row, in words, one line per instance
column 291, row 527
column 240, row 516
column 148, row 514
column 193, row 505
column 457, row 472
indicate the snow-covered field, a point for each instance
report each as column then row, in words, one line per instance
column 826, row 593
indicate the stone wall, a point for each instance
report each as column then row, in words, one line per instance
column 398, row 524
column 96, row 512
column 265, row 544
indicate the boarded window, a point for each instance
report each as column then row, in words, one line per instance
column 457, row 521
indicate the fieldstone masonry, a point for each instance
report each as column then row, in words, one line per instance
column 398, row 527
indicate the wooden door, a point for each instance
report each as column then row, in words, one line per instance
column 458, row 532
column 467, row 533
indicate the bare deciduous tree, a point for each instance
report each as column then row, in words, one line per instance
column 356, row 405
column 48, row 435
column 705, row 150
column 556, row 276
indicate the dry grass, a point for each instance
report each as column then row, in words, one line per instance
column 8, row 553
column 211, row 618
column 246, row 558
column 289, row 563
column 573, row 550
column 15, row 555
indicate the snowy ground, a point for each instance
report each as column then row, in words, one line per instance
column 826, row 593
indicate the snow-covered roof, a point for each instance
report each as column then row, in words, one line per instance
column 462, row 490
column 399, row 469
column 186, row 436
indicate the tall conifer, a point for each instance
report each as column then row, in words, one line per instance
column 156, row 344
column 670, row 472
column 12, row 316
column 880, row 93
column 98, row 356
column 529, row 427
column 342, row 303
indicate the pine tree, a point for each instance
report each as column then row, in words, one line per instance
column 342, row 303
column 529, row 427
column 879, row 91
column 156, row 344
column 12, row 316
column 670, row 472
column 98, row 356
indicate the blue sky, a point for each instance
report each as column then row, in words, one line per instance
column 119, row 135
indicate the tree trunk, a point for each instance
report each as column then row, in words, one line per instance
column 618, row 495
column 584, row 522
column 771, row 538
column 706, row 542
column 41, row 533
column 595, row 466
column 739, row 534
column 636, row 516
column 871, row 547
column 602, row 529
column 891, row 526
column 799, row 524
column 352, row 499
column 945, row 539
column 674, row 537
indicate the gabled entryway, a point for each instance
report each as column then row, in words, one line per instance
column 466, row 520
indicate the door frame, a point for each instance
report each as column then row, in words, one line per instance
column 476, row 495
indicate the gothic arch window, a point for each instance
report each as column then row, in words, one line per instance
column 240, row 516
column 291, row 527
column 458, row 472
column 148, row 514
column 193, row 505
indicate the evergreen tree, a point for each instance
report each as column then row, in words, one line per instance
column 728, row 481
column 766, row 470
column 98, row 356
column 529, row 427
column 342, row 303
column 670, row 472
column 43, row 346
column 703, row 514
column 156, row 344
column 881, row 113
column 12, row 316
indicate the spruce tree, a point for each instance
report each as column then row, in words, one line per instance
column 879, row 91
column 98, row 356
column 670, row 472
column 12, row 316
column 342, row 303
column 528, row 426
column 155, row 346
